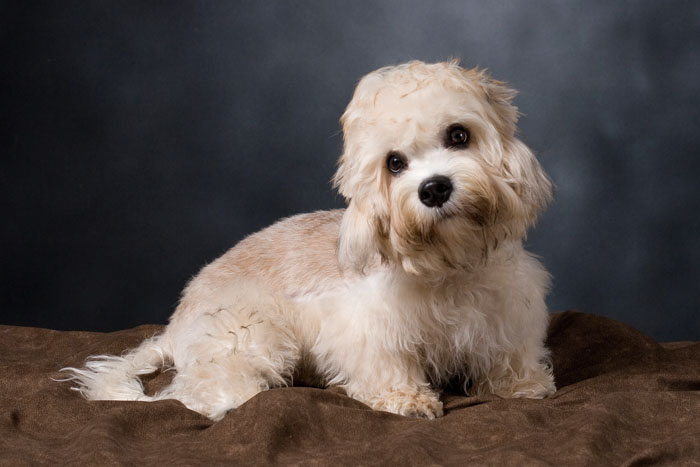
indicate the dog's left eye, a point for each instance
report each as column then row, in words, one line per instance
column 457, row 136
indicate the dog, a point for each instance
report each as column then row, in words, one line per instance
column 421, row 280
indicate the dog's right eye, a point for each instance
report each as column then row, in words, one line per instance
column 395, row 162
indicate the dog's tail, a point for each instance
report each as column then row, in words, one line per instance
column 108, row 377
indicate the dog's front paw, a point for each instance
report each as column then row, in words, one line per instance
column 537, row 383
column 419, row 404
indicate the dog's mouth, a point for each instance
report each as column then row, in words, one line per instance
column 445, row 244
column 445, row 212
column 481, row 216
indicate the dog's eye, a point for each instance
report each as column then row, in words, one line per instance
column 457, row 137
column 395, row 162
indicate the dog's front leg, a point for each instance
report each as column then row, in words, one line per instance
column 393, row 383
column 387, row 380
column 418, row 401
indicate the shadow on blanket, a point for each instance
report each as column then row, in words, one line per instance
column 623, row 399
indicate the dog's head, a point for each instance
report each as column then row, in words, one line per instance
column 432, row 171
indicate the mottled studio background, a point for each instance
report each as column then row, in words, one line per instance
column 140, row 140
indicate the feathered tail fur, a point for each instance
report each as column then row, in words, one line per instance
column 108, row 377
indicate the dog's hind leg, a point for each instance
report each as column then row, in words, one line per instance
column 242, row 345
column 217, row 386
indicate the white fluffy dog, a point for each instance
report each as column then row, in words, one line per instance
column 421, row 280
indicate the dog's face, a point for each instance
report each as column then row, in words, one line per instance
column 432, row 171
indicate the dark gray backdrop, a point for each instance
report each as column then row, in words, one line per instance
column 142, row 139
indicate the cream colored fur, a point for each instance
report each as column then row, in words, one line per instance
column 388, row 298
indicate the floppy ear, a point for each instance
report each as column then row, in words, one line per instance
column 356, row 180
column 520, row 167
column 358, row 242
column 526, row 177
column 353, row 170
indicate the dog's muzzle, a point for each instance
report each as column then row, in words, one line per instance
column 435, row 191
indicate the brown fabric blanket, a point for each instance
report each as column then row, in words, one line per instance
column 623, row 399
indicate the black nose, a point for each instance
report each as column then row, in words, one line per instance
column 435, row 191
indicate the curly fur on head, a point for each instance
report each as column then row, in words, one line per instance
column 423, row 278
column 499, row 186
